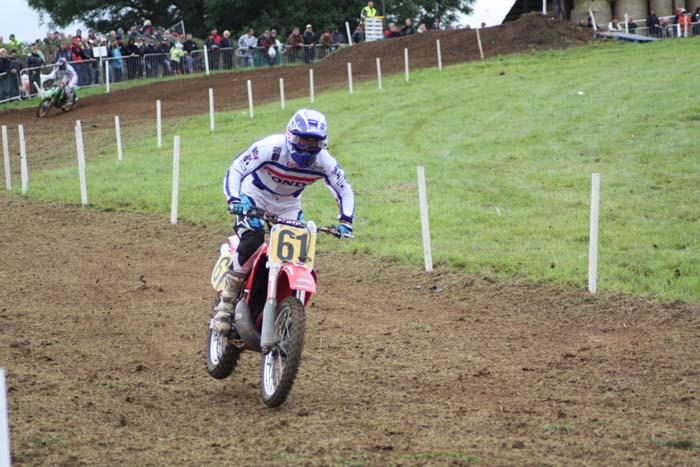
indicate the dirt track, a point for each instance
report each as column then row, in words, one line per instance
column 102, row 320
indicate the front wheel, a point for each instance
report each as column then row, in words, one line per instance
column 280, row 365
column 221, row 355
column 44, row 107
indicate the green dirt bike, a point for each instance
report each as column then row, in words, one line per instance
column 56, row 97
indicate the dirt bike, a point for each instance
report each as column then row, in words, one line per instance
column 269, row 316
column 55, row 96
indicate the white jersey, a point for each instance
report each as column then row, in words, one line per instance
column 266, row 170
column 68, row 76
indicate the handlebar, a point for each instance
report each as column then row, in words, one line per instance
column 259, row 213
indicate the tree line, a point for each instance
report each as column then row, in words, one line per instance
column 200, row 16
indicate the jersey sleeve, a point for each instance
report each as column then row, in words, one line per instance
column 243, row 165
column 339, row 185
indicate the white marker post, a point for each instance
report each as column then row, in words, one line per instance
column 81, row 161
column 250, row 99
column 311, row 84
column 350, row 77
column 405, row 62
column 118, row 130
column 439, row 54
column 347, row 29
column 593, row 236
column 544, row 7
column 206, row 60
column 6, row 156
column 478, row 40
column 211, row 109
column 282, row 93
column 627, row 24
column 176, row 179
column 4, row 423
column 425, row 227
column 107, row 77
column 379, row 73
column 159, row 127
column 595, row 26
column 23, row 159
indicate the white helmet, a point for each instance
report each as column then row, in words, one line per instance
column 306, row 133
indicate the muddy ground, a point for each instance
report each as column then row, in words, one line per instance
column 103, row 318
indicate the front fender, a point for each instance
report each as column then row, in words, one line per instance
column 295, row 277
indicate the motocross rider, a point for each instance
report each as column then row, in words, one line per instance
column 271, row 174
column 66, row 74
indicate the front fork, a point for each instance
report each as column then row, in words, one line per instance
column 267, row 337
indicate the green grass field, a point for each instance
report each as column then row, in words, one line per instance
column 508, row 145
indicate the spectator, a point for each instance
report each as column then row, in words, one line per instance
column 163, row 49
column 76, row 51
column 614, row 25
column 695, row 19
column 394, row 31
column 13, row 43
column 264, row 43
column 368, row 11
column 326, row 42
column 133, row 34
column 358, row 36
column 631, row 26
column 190, row 45
column 684, row 21
column 338, row 37
column 148, row 57
column 147, row 29
column 131, row 55
column 226, row 47
column 246, row 47
column 279, row 48
column 213, row 49
column 309, row 43
column 176, row 55
column 408, row 28
column 5, row 76
column 191, row 60
column 653, row 24
column 215, row 33
column 117, row 62
column 295, row 45
column 422, row 28
column 15, row 66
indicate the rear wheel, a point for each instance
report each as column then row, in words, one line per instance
column 280, row 365
column 221, row 356
column 44, row 107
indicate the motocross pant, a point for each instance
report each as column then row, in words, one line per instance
column 252, row 236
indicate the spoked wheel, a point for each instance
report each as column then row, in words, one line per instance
column 222, row 356
column 44, row 108
column 69, row 103
column 280, row 365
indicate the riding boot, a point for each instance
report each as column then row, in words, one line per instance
column 224, row 310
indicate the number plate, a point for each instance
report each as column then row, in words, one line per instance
column 289, row 244
column 219, row 272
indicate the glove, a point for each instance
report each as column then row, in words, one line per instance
column 345, row 230
column 239, row 207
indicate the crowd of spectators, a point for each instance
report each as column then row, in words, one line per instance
column 682, row 21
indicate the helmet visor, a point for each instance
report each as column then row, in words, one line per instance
column 306, row 144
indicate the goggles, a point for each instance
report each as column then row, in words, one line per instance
column 307, row 144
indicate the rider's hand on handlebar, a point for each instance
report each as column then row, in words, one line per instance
column 239, row 207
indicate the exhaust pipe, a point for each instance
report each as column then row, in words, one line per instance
column 245, row 326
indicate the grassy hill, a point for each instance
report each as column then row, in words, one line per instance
column 508, row 146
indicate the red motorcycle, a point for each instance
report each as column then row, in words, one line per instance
column 269, row 316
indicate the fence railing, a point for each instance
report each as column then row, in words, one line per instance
column 92, row 72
